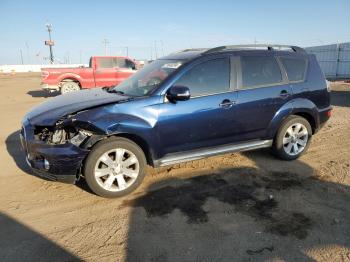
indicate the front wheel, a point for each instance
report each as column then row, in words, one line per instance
column 115, row 167
column 293, row 138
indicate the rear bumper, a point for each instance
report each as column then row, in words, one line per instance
column 323, row 117
column 48, row 87
column 53, row 162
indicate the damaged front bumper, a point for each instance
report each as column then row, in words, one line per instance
column 60, row 162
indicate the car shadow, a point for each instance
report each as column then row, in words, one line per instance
column 275, row 210
column 20, row 243
column 14, row 148
column 272, row 209
column 42, row 93
column 341, row 98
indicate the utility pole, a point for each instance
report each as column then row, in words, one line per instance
column 28, row 56
column 20, row 51
column 50, row 42
column 105, row 42
column 127, row 51
column 155, row 49
column 162, row 45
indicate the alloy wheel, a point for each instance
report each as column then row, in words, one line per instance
column 117, row 169
column 295, row 139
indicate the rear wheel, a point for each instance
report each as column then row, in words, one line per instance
column 68, row 87
column 293, row 138
column 115, row 167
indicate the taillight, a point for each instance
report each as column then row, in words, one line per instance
column 328, row 86
column 44, row 74
column 329, row 113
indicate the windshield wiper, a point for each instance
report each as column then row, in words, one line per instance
column 116, row 92
column 110, row 89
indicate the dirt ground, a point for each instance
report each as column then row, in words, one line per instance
column 236, row 207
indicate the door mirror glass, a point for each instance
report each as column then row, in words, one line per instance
column 178, row 93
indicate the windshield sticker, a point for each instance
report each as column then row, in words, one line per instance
column 171, row 65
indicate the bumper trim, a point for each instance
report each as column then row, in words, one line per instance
column 48, row 87
column 68, row 179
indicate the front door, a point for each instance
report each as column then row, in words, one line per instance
column 206, row 118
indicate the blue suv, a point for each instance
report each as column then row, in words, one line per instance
column 186, row 106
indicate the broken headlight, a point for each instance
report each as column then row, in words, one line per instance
column 60, row 134
column 80, row 137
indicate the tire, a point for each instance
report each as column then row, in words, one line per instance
column 293, row 138
column 68, row 87
column 109, row 178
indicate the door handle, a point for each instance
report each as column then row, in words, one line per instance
column 284, row 94
column 226, row 103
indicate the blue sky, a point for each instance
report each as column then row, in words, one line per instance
column 79, row 27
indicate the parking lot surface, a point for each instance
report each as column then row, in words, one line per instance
column 236, row 207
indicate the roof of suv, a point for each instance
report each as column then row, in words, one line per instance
column 188, row 54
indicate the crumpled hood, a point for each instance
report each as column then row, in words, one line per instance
column 49, row 112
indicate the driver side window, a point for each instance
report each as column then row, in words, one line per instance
column 207, row 78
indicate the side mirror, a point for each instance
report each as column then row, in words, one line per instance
column 178, row 93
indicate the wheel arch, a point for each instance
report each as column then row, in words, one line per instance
column 70, row 79
column 309, row 117
column 142, row 143
column 300, row 107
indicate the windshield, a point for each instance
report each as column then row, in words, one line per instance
column 148, row 78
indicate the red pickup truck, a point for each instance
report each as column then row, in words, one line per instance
column 102, row 71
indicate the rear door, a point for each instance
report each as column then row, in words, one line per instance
column 262, row 90
column 105, row 71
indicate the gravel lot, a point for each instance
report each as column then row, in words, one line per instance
column 236, row 207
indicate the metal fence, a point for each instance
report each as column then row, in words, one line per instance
column 333, row 59
column 34, row 68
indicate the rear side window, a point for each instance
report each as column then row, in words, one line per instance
column 260, row 71
column 295, row 67
column 209, row 77
column 123, row 63
column 105, row 62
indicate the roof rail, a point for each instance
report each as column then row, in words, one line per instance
column 192, row 49
column 296, row 49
